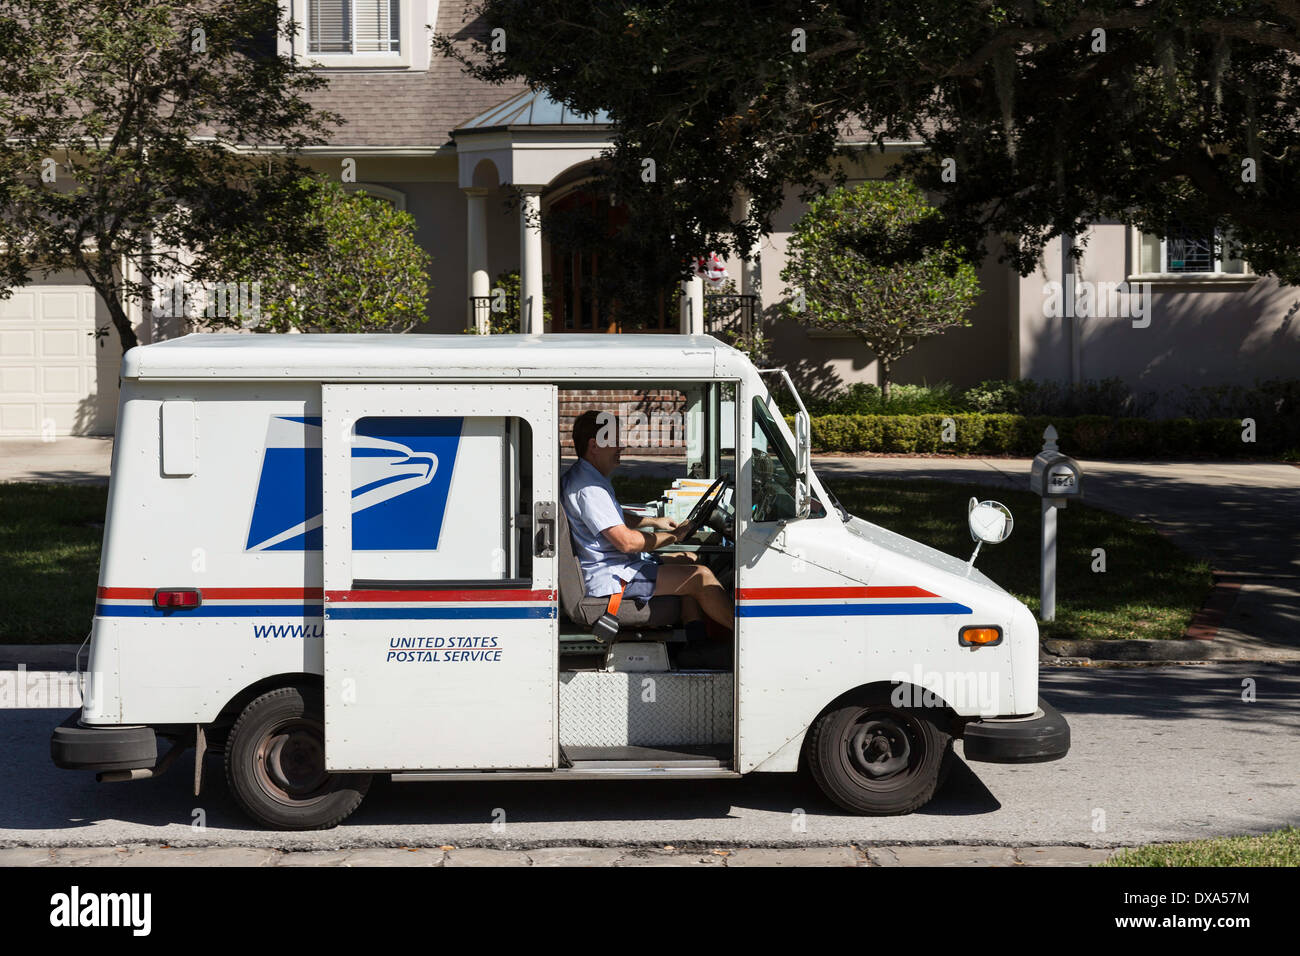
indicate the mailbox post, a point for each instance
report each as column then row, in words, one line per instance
column 1056, row 478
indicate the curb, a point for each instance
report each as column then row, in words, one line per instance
column 1200, row 641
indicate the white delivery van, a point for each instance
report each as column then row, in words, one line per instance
column 333, row 556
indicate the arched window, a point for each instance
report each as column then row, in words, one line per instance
column 393, row 197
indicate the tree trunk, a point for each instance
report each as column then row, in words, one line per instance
column 106, row 289
column 121, row 321
column 885, row 384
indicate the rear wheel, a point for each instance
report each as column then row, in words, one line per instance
column 873, row 758
column 275, row 764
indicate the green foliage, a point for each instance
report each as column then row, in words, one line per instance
column 118, row 123
column 870, row 260
column 1152, row 596
column 862, row 398
column 50, row 537
column 1175, row 97
column 363, row 271
column 1095, row 436
column 1108, row 396
column 1024, row 397
column 1279, row 848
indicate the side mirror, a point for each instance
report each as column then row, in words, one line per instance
column 990, row 521
column 802, row 463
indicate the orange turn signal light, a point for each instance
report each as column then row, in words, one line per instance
column 979, row 636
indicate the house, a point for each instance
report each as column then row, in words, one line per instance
column 1158, row 312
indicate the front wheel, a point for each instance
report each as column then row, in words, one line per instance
column 275, row 764
column 873, row 758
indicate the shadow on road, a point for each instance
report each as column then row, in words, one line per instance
column 42, row 797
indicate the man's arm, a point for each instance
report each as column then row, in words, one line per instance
column 634, row 520
column 632, row 541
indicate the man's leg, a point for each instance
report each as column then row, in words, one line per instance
column 679, row 557
column 697, row 582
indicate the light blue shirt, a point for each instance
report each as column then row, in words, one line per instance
column 591, row 507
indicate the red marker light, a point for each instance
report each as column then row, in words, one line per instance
column 177, row 599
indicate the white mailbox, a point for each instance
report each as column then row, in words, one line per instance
column 1056, row 478
column 1053, row 474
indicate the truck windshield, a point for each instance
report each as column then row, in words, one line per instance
column 773, row 468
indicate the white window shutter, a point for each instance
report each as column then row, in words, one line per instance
column 329, row 27
column 377, row 25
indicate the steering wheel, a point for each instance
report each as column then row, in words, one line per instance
column 707, row 504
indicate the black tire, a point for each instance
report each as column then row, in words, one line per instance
column 275, row 764
column 876, row 759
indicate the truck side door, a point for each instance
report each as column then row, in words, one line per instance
column 440, row 579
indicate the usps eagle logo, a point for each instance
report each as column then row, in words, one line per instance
column 401, row 475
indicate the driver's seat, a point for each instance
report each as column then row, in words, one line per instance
column 663, row 611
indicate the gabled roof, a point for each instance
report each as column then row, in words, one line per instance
column 422, row 109
column 418, row 109
column 533, row 108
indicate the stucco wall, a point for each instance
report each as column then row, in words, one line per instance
column 1198, row 333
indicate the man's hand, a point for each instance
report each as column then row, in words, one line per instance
column 659, row 524
column 682, row 531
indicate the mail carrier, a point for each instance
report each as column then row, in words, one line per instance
column 331, row 557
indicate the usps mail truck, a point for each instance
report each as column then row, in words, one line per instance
column 328, row 557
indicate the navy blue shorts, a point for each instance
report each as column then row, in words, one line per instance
column 642, row 587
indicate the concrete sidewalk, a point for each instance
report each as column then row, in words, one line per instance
column 72, row 459
column 848, row 855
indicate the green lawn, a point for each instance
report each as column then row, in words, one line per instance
column 1281, row 848
column 50, row 538
column 49, row 561
column 1150, row 588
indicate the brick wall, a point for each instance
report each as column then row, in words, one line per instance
column 652, row 422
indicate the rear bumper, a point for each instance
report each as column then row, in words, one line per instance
column 1040, row 737
column 73, row 747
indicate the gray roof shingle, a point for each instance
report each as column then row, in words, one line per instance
column 411, row 108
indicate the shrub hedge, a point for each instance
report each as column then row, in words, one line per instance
column 1084, row 436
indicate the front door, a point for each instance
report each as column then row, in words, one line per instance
column 439, row 572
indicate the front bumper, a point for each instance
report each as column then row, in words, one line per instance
column 74, row 747
column 1037, row 738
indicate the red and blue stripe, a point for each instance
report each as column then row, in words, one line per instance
column 310, row 604
column 843, row 602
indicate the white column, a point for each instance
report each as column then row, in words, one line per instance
column 530, row 260
column 692, row 318
column 477, row 253
column 751, row 277
column 751, row 283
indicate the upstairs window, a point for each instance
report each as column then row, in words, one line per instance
column 1183, row 251
column 354, row 27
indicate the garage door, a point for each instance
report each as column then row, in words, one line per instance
column 55, row 379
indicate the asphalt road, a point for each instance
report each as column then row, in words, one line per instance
column 1159, row 754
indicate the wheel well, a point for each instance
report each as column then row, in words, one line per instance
column 220, row 727
column 903, row 694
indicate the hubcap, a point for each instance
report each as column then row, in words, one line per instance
column 880, row 747
column 291, row 761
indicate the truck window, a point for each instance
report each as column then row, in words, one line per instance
column 438, row 500
column 772, row 468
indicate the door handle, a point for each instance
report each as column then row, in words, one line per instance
column 544, row 522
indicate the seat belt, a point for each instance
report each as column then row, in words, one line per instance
column 606, row 625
